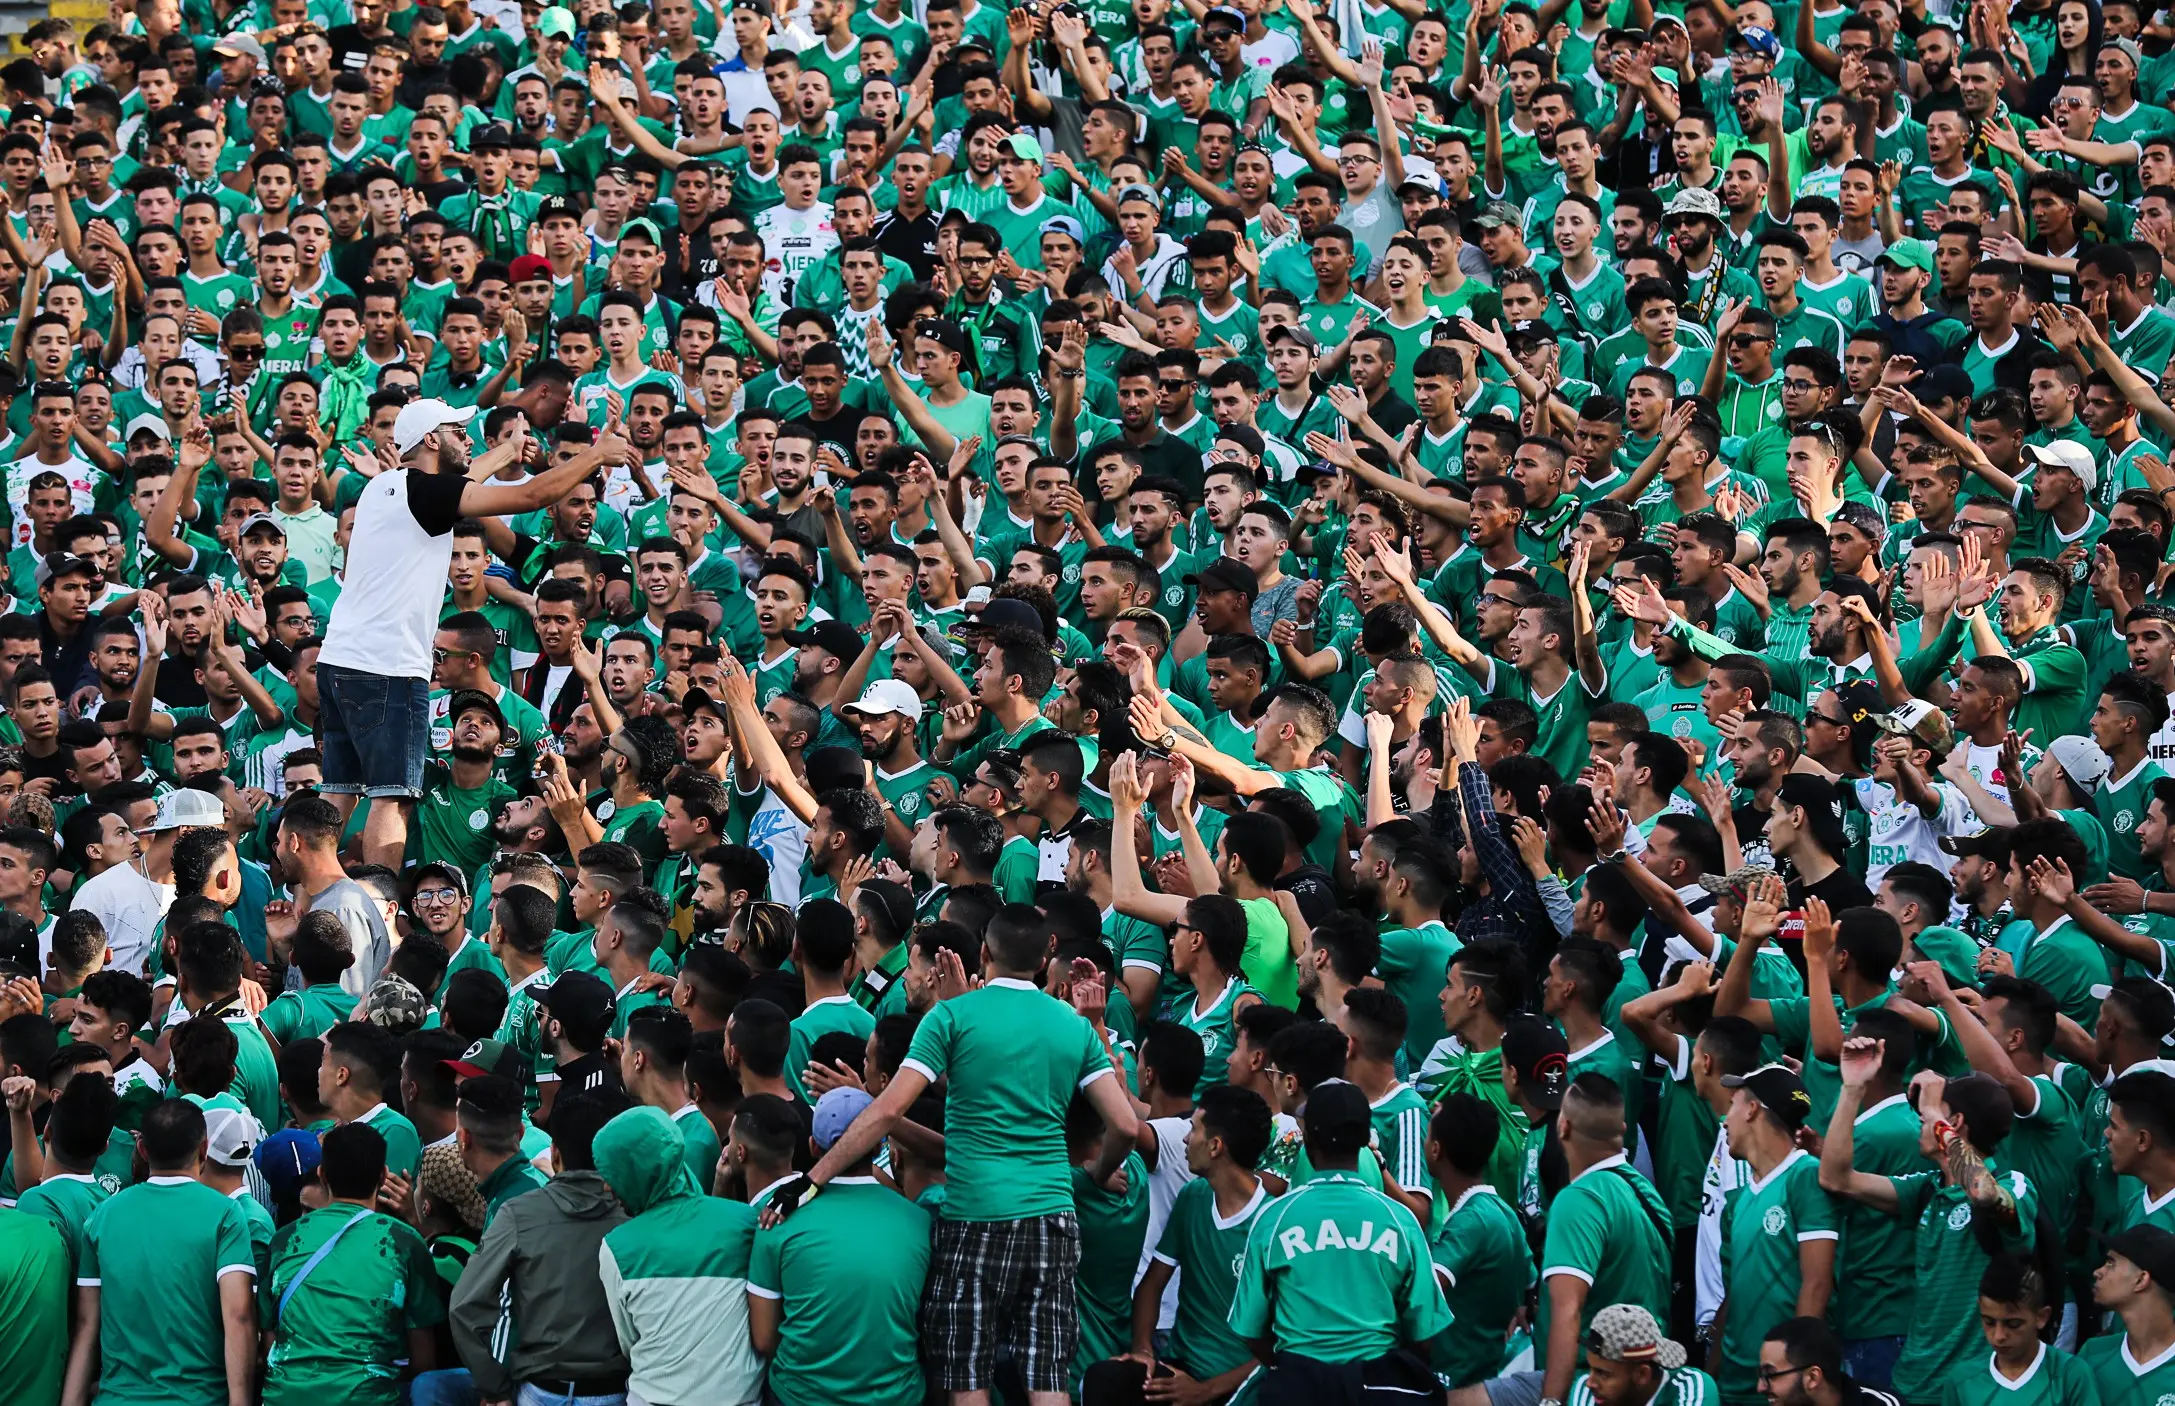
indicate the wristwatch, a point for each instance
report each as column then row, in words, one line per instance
column 1168, row 740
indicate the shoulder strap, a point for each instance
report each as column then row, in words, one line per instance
column 1660, row 1222
column 317, row 1259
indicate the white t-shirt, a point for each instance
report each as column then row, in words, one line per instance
column 81, row 475
column 1897, row 831
column 1164, row 1183
column 130, row 907
column 1724, row 1175
column 397, row 559
column 794, row 241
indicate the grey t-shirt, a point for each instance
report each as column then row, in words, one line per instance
column 1279, row 602
column 357, row 910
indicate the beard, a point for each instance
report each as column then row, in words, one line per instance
column 472, row 754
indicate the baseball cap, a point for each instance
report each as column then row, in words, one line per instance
column 490, row 1057
column 1821, row 802
column 2082, row 758
column 1779, row 1091
column 230, row 1136
column 1737, row 881
column 1226, row 14
column 944, row 332
column 53, row 565
column 1067, row 226
column 577, row 999
column 148, row 424
column 288, row 1161
column 1908, row 254
column 1625, row 1332
column 835, row 1112
column 468, row 698
column 1137, row 191
column 1024, row 146
column 1416, row 181
column 1336, row 1117
column 552, row 205
column 1538, row 1053
column 831, row 636
column 1990, row 843
column 1759, row 41
column 1497, row 213
column 699, row 698
column 556, row 23
column 256, row 520
column 530, row 267
column 886, row 696
column 419, row 418
column 2149, row 1248
column 239, row 44
column 1004, row 614
column 1693, row 202
column 185, row 810
column 440, row 869
column 1865, row 518
column 1293, row 332
column 494, row 134
column 2067, row 454
column 2129, row 49
column 1224, row 574
column 394, row 1004
column 1920, row 719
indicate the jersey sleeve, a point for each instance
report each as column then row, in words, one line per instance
column 1577, row 1235
column 1249, row 1315
column 930, row 1052
column 233, row 1249
column 1811, row 1209
column 763, row 1278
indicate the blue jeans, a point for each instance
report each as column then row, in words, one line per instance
column 376, row 730
column 453, row 1387
column 536, row 1396
column 1872, row 1361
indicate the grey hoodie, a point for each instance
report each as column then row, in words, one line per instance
column 530, row 1305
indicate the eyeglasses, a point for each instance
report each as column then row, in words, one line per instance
column 431, row 898
column 246, row 350
column 1768, row 1376
column 1799, row 387
column 977, row 259
column 1831, row 719
column 440, row 656
column 1750, row 339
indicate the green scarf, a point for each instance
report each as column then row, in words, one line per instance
column 346, row 395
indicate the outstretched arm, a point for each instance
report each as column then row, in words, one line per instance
column 1861, row 1062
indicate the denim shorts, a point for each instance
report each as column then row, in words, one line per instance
column 375, row 729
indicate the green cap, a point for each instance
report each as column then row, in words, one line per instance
column 1953, row 950
column 1908, row 254
column 1024, row 146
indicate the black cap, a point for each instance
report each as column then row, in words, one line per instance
column 1991, row 843
column 1002, row 615
column 439, row 869
column 1821, row 802
column 944, row 332
column 699, row 699
column 19, row 948
column 1779, row 1091
column 1224, row 574
column 556, row 205
column 1537, row 1052
column 496, row 134
column 834, row 637
column 2149, row 1248
column 577, row 1000
column 1337, row 1118
column 468, row 698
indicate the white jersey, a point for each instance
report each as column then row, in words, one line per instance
column 1724, row 1175
column 82, row 478
column 1899, row 832
column 794, row 241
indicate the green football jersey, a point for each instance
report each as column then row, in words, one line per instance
column 1765, row 1222
column 1337, row 1272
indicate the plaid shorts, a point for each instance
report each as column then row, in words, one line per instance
column 1002, row 1283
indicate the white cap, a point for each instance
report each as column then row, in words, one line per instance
column 2070, row 455
column 153, row 423
column 887, row 696
column 2082, row 758
column 420, row 417
column 186, row 809
column 230, row 1136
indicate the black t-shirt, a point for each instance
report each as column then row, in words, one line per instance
column 585, row 1076
column 912, row 241
column 1393, row 413
column 782, row 989
column 1839, row 890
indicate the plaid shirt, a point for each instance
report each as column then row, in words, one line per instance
column 1511, row 907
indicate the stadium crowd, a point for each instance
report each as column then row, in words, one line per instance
column 862, row 703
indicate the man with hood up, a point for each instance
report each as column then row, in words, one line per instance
column 676, row 1275
column 530, row 1308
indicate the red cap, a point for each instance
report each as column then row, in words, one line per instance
column 530, row 266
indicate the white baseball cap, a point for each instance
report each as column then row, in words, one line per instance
column 2066, row 454
column 230, row 1136
column 887, row 696
column 419, row 418
column 147, row 424
column 187, row 809
column 2082, row 758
